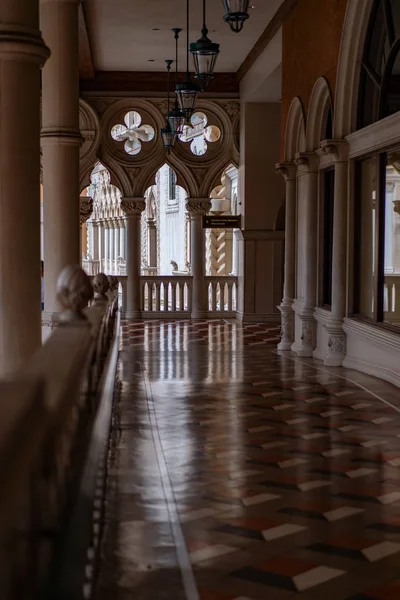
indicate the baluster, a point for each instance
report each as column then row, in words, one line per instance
column 158, row 296
column 389, row 288
column 189, row 289
column 230, row 296
column 166, row 295
column 182, row 296
column 214, row 285
column 173, row 295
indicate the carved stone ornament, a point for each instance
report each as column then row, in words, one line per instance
column 232, row 109
column 287, row 170
column 197, row 206
column 301, row 160
column 396, row 206
column 101, row 286
column 307, row 334
column 133, row 207
column 287, row 326
column 74, row 292
column 113, row 282
column 336, row 343
column 86, row 208
column 162, row 107
column 133, row 173
column 100, row 105
column 199, row 173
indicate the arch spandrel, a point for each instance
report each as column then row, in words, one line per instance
column 295, row 134
column 318, row 111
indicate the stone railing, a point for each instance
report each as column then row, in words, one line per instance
column 165, row 294
column 222, row 294
column 91, row 267
column 392, row 298
column 55, row 419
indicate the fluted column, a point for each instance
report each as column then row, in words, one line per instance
column 288, row 171
column 133, row 208
column 152, row 242
column 337, row 337
column 197, row 207
column 22, row 54
column 61, row 140
column 85, row 210
column 307, row 163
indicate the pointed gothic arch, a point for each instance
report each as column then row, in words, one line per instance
column 295, row 135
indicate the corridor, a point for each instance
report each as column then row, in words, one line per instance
column 238, row 473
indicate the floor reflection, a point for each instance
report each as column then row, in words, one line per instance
column 282, row 477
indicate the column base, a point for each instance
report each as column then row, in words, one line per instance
column 307, row 344
column 287, row 326
column 132, row 315
column 336, row 344
column 199, row 315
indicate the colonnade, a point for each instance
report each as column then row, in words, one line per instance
column 301, row 179
column 106, row 243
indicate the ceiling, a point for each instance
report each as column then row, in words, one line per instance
column 121, row 35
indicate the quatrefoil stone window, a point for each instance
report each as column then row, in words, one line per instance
column 198, row 134
column 133, row 133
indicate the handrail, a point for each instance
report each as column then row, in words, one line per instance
column 47, row 418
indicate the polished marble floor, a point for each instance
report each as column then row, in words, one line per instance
column 238, row 473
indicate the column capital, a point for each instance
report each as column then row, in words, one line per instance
column 133, row 207
column 339, row 149
column 198, row 206
column 85, row 208
column 287, row 170
column 306, row 161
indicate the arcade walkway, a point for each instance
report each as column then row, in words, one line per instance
column 236, row 473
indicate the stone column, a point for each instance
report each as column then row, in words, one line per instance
column 61, row 140
column 307, row 163
column 117, row 243
column 122, row 252
column 101, row 226
column 133, row 208
column 337, row 337
column 22, row 54
column 85, row 210
column 152, row 242
column 288, row 171
column 95, row 240
column 112, row 246
column 197, row 207
column 106, row 246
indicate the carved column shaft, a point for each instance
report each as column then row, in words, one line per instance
column 337, row 338
column 288, row 171
column 197, row 207
column 152, row 242
column 133, row 208
column 308, row 169
column 22, row 54
column 85, row 211
column 61, row 140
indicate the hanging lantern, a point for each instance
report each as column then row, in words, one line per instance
column 205, row 54
column 187, row 92
column 167, row 136
column 176, row 116
column 236, row 13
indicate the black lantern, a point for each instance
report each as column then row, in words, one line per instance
column 168, row 137
column 187, row 91
column 176, row 116
column 205, row 54
column 236, row 13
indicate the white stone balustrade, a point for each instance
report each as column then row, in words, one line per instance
column 221, row 294
column 166, row 294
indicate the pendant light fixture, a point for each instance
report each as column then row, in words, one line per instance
column 205, row 54
column 168, row 137
column 236, row 13
column 176, row 117
column 187, row 91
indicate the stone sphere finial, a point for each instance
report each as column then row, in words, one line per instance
column 74, row 292
column 101, row 286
